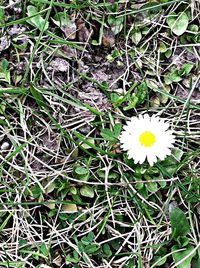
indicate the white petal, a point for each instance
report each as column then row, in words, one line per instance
column 133, row 155
column 146, row 117
column 151, row 158
column 142, row 158
column 161, row 155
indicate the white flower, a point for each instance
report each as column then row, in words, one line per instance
column 147, row 137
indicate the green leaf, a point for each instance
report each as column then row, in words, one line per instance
column 115, row 97
column 51, row 205
column 87, row 191
column 51, row 187
column 108, row 135
column 186, row 68
column 145, row 30
column 171, row 77
column 154, row 7
column 132, row 102
column 37, row 96
column 81, row 170
column 182, row 241
column 116, row 243
column 37, row 21
column 141, row 92
column 1, row 13
column 81, row 173
column 89, row 249
column 162, row 183
column 90, row 237
column 136, row 36
column 115, row 23
column 168, row 53
column 139, row 185
column 107, row 250
column 178, row 256
column 196, row 263
column 152, row 84
column 177, row 154
column 86, row 240
column 73, row 190
column 163, row 48
column 44, row 250
column 194, row 28
column 70, row 260
column 151, row 186
column 170, row 164
column 36, row 191
column 117, row 129
column 179, row 223
column 81, row 247
column 159, row 260
column 90, row 140
column 5, row 65
column 178, row 23
column 5, row 74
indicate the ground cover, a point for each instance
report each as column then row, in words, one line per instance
column 72, row 73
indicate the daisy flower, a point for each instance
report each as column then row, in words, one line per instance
column 146, row 137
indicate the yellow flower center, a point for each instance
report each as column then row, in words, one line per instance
column 147, row 139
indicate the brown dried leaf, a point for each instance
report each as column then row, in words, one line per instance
column 69, row 208
column 108, row 38
column 154, row 101
column 83, row 32
column 58, row 261
column 69, row 30
column 51, row 204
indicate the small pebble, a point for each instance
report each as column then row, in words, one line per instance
column 5, row 146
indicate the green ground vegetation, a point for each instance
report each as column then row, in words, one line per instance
column 71, row 74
